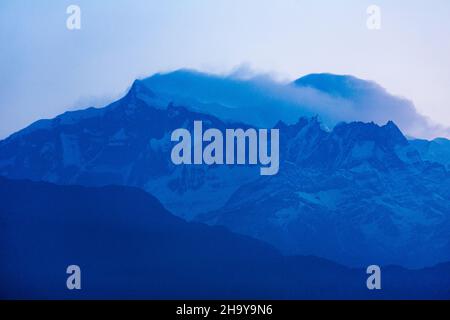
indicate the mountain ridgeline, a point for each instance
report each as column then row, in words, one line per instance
column 358, row 194
column 129, row 247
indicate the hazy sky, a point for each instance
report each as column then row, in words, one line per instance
column 45, row 69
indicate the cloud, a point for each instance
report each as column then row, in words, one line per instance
column 257, row 98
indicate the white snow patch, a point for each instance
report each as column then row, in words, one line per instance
column 71, row 150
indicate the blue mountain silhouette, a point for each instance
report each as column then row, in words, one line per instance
column 358, row 194
column 436, row 150
column 128, row 246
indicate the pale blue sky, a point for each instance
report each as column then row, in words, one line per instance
column 46, row 69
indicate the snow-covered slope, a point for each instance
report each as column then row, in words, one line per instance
column 358, row 193
column 126, row 143
column 437, row 150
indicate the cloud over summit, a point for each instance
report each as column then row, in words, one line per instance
column 260, row 100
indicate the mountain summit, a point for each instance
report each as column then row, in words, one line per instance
column 344, row 86
column 357, row 193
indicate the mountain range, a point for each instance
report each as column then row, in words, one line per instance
column 359, row 193
column 129, row 247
